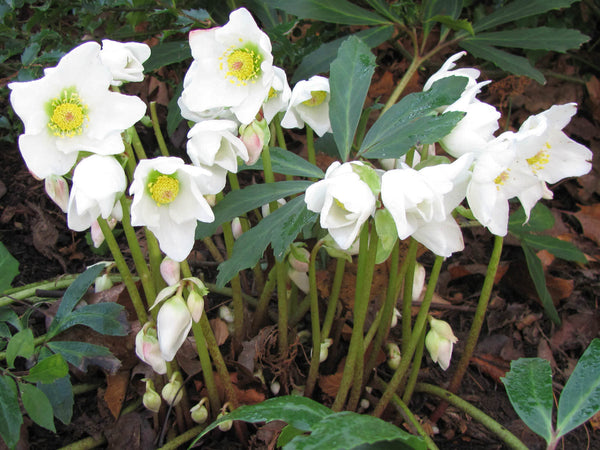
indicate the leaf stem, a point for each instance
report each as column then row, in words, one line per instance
column 315, row 324
column 157, row 132
column 334, row 295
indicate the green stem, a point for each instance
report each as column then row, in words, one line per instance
column 124, row 271
column 29, row 290
column 409, row 276
column 334, row 295
column 85, row 444
column 280, row 136
column 414, row 371
column 310, row 145
column 282, row 307
column 412, row 345
column 414, row 66
column 238, row 303
column 510, row 439
column 137, row 144
column 315, row 323
column 484, row 297
column 190, row 434
column 263, row 301
column 155, row 258
column 157, row 132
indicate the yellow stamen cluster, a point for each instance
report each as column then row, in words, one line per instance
column 243, row 65
column 164, row 190
column 540, row 159
column 317, row 97
column 67, row 115
column 501, row 179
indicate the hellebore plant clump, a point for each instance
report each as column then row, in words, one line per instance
column 431, row 164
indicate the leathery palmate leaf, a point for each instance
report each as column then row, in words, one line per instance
column 287, row 163
column 529, row 388
column 333, row 11
column 545, row 38
column 10, row 412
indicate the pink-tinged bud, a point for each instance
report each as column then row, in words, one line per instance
column 173, row 324
column 170, row 271
column 299, row 258
column 172, row 392
column 58, row 191
column 300, row 279
column 148, row 350
column 418, row 282
column 236, row 227
column 439, row 342
column 151, row 399
column 102, row 283
column 255, row 136
column 96, row 232
column 195, row 304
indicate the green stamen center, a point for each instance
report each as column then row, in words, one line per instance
column 164, row 189
column 317, row 97
column 67, row 114
column 242, row 65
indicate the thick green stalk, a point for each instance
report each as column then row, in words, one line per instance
column 484, row 297
column 282, row 307
column 334, row 295
column 409, row 276
column 412, row 345
column 414, row 66
column 136, row 299
column 238, row 303
column 157, row 132
column 137, row 144
column 280, row 136
column 155, row 258
column 190, row 434
column 510, row 439
column 414, row 371
column 315, row 323
column 310, row 145
column 29, row 290
column 263, row 301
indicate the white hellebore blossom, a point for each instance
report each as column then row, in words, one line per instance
column 70, row 110
column 168, row 199
column 232, row 68
column 98, row 183
column 58, row 190
column 343, row 200
column 421, row 203
column 309, row 104
column 439, row 342
column 279, row 95
column 148, row 350
column 173, row 324
column 124, row 60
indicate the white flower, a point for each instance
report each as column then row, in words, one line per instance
column 58, row 190
column 98, row 183
column 124, row 60
column 548, row 152
column 421, row 203
column 439, row 342
column 309, row 104
column 173, row 324
column 168, row 199
column 279, row 95
column 71, row 109
column 233, row 68
column 344, row 202
column 148, row 350
column 170, row 271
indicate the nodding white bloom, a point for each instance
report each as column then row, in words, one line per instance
column 549, row 153
column 148, row 350
column 343, row 200
column 497, row 177
column 421, row 203
column 439, row 342
column 58, row 190
column 98, row 183
column 279, row 95
column 309, row 104
column 70, row 110
column 173, row 324
column 168, row 199
column 233, row 68
column 124, row 60
column 170, row 271
column 480, row 122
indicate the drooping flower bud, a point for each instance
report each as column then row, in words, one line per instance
column 300, row 279
column 255, row 136
column 324, row 353
column 224, row 426
column 172, row 392
column 148, row 350
column 439, row 342
column 266, row 210
column 275, row 387
column 236, row 227
column 226, row 314
column 96, row 232
column 173, row 324
column 170, row 271
column 58, row 191
column 299, row 258
column 418, row 282
column 195, row 304
column 102, row 283
column 151, row 399
column 199, row 412
column 394, row 356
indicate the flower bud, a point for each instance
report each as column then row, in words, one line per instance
column 418, row 282
column 364, row 404
column 148, row 350
column 226, row 314
column 275, row 387
column 58, row 191
column 102, row 283
column 394, row 356
column 236, row 227
column 255, row 136
column 151, row 399
column 439, row 342
column 172, row 392
column 300, row 279
column 324, row 353
column 195, row 304
column 226, row 425
column 170, row 271
column 299, row 258
column 173, row 324
column 266, row 210
column 199, row 412
column 397, row 315
column 96, row 232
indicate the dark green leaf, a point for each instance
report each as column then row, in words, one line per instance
column 347, row 429
column 37, row 405
column 536, row 270
column 60, row 394
column 82, row 354
column 510, row 63
column 167, row 53
column 454, row 24
column 9, row 316
column 74, row 293
column 333, row 11
column 409, row 122
column 199, row 15
column 279, row 229
column 30, row 53
column 432, row 8
column 518, row 10
column 101, row 317
column 9, row 268
column 287, row 434
column 529, row 388
column 540, row 219
column 562, row 249
column 349, row 81
column 237, row 203
column 174, row 117
column 544, row 38
column 21, row 344
column 319, row 60
column 10, row 412
column 580, row 399
column 48, row 370
column 287, row 163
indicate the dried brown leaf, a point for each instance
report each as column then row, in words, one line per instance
column 115, row 391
